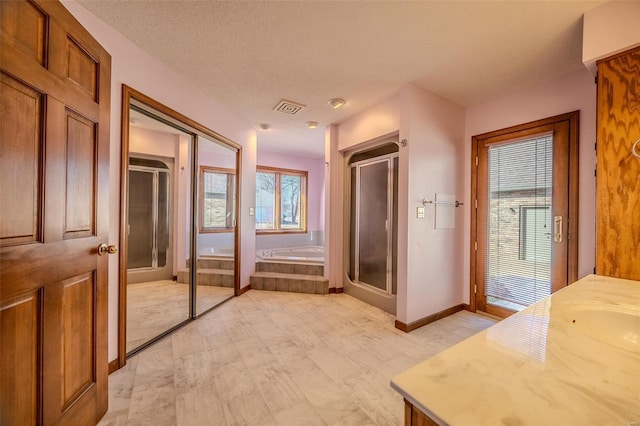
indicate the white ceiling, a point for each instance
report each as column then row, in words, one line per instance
column 249, row 55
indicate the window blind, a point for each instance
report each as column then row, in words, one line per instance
column 519, row 222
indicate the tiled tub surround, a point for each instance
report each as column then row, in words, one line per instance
column 212, row 271
column 571, row 359
column 292, row 277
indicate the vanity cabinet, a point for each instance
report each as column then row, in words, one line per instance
column 414, row 417
column 618, row 169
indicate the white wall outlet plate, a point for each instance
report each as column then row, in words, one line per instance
column 420, row 212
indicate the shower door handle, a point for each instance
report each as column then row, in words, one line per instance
column 106, row 249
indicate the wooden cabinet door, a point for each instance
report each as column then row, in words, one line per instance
column 54, row 171
column 618, row 171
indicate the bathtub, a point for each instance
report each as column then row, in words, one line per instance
column 216, row 252
column 308, row 254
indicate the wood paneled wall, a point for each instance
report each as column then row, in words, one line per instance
column 618, row 171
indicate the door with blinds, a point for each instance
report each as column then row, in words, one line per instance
column 524, row 231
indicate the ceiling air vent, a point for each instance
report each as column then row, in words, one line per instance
column 288, row 107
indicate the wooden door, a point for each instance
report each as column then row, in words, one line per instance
column 524, row 226
column 54, row 172
column 618, row 170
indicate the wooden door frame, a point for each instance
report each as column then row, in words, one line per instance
column 129, row 94
column 513, row 132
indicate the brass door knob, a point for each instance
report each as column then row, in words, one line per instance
column 107, row 249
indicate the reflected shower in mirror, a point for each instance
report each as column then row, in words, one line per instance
column 158, row 212
column 178, row 233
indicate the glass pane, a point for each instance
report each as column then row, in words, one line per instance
column 155, row 301
column 372, row 217
column 163, row 219
column 519, row 223
column 265, row 200
column 216, row 210
column 352, row 225
column 290, row 189
column 215, row 261
column 141, row 215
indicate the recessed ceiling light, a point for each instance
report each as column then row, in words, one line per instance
column 312, row 124
column 265, row 126
column 337, row 103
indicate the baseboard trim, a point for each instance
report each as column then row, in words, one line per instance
column 467, row 307
column 243, row 290
column 428, row 319
column 334, row 290
column 114, row 365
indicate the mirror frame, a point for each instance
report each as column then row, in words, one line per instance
column 129, row 94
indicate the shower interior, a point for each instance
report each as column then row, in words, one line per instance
column 373, row 224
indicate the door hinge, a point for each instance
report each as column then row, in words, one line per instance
column 476, row 204
column 476, row 160
column 475, row 289
column 475, row 246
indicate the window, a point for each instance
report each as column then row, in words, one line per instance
column 217, row 199
column 281, row 200
column 535, row 233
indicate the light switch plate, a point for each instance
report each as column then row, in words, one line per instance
column 251, row 211
column 420, row 212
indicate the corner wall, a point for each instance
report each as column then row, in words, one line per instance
column 429, row 270
column 132, row 66
column 433, row 159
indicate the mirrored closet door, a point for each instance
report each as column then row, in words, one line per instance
column 178, row 231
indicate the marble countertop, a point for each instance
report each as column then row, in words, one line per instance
column 570, row 359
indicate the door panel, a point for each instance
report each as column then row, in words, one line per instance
column 20, row 162
column 24, row 26
column 373, row 224
column 78, row 320
column 81, row 171
column 55, row 145
column 20, row 368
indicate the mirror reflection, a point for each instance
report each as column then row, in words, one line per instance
column 172, row 194
column 215, row 264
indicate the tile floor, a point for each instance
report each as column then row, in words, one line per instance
column 156, row 306
column 278, row 358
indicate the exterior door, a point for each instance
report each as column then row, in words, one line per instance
column 524, row 205
column 54, row 172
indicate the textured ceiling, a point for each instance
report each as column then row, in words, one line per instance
column 249, row 55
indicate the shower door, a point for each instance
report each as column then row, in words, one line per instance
column 373, row 224
column 149, row 253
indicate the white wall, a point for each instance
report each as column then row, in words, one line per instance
column 434, row 129
column 609, row 29
column 132, row 66
column 573, row 92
